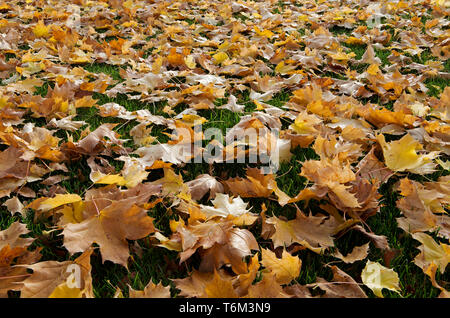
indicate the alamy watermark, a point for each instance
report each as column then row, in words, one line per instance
column 376, row 11
column 261, row 145
column 379, row 9
column 74, row 278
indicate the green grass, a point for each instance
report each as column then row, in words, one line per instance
column 111, row 70
column 436, row 85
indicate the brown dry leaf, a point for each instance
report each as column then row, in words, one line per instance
column 331, row 176
column 244, row 281
column 436, row 195
column 60, row 279
column 13, row 251
column 232, row 105
column 342, row 285
column 268, row 287
column 359, row 253
column 380, row 241
column 206, row 285
column 193, row 285
column 297, row 291
column 110, row 229
column 256, row 185
column 176, row 153
column 12, row 236
column 100, row 140
column 332, row 147
column 151, row 291
column 285, row 269
column 313, row 232
column 431, row 272
column 221, row 244
column 374, row 170
column 418, row 216
column 13, row 276
column 274, row 77
column 369, row 56
column 14, row 206
column 66, row 123
column 203, row 184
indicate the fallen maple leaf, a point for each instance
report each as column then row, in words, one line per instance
column 203, row 184
column 14, row 205
column 285, row 269
column 431, row 253
column 69, row 279
column 11, row 236
column 110, row 229
column 268, row 287
column 359, row 253
column 220, row 242
column 313, row 232
column 342, row 285
column 401, row 155
column 256, row 185
column 377, row 277
column 151, row 291
column 57, row 201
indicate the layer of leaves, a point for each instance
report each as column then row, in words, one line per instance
column 101, row 104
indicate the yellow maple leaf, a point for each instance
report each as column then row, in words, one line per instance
column 265, row 33
column 284, row 68
column 431, row 252
column 342, row 56
column 353, row 40
column 64, row 291
column 190, row 61
column 157, row 64
column 373, row 69
column 74, row 213
column 40, row 29
column 4, row 101
column 219, row 287
column 376, row 277
column 58, row 200
column 304, row 123
column 401, row 155
column 193, row 120
column 285, row 269
column 220, row 57
column 100, row 178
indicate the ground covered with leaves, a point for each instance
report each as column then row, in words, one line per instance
column 102, row 101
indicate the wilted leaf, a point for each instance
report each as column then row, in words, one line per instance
column 285, row 269
column 151, row 291
column 431, row 253
column 60, row 279
column 377, row 277
column 342, row 286
column 401, row 155
column 110, row 229
column 359, row 253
